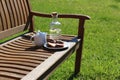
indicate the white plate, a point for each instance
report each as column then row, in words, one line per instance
column 57, row 48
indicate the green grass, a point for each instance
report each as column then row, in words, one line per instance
column 101, row 51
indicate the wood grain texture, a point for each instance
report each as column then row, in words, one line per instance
column 17, row 59
column 13, row 13
column 20, row 57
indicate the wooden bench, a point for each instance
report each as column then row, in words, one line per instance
column 19, row 58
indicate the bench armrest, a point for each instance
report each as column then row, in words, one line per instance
column 77, row 16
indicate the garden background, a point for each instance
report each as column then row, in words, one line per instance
column 101, row 50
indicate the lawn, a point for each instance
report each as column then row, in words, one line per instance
column 101, row 51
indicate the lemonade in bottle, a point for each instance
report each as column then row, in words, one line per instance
column 55, row 30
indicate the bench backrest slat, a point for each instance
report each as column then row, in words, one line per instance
column 13, row 13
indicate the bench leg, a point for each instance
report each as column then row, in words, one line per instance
column 79, row 50
column 78, row 60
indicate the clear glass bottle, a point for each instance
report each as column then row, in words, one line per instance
column 55, row 30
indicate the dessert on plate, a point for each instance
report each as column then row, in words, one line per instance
column 55, row 43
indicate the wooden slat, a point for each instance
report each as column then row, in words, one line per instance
column 10, row 13
column 19, row 63
column 23, row 11
column 26, row 53
column 1, row 24
column 4, row 34
column 6, row 78
column 23, row 41
column 22, row 44
column 6, row 14
column 9, row 74
column 3, row 17
column 14, row 13
column 13, row 70
column 26, row 8
column 28, row 68
column 39, row 52
column 22, row 59
column 17, row 11
column 20, row 11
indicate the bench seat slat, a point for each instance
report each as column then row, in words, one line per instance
column 11, row 75
column 7, row 78
column 31, row 64
column 21, row 60
column 33, row 54
column 14, row 70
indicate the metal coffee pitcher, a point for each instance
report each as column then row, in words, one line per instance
column 39, row 38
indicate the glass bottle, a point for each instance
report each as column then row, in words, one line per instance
column 55, row 30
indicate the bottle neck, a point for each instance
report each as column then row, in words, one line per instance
column 54, row 18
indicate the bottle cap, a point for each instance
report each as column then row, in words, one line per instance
column 54, row 13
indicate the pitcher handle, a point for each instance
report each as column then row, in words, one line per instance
column 31, row 39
